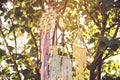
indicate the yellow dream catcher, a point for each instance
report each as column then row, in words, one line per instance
column 80, row 55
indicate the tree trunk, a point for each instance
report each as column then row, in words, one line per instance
column 99, row 66
column 92, row 75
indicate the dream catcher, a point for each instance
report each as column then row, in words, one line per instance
column 55, row 66
column 79, row 53
column 47, row 24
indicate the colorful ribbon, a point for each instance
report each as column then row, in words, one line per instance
column 45, row 55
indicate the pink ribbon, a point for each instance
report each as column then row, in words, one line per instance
column 45, row 43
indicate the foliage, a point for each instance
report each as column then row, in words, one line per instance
column 99, row 24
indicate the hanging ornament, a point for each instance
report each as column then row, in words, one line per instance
column 79, row 53
column 47, row 24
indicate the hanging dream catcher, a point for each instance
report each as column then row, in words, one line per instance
column 79, row 53
column 47, row 24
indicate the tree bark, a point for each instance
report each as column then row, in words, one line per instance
column 92, row 74
column 99, row 66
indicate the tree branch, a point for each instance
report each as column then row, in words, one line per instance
column 12, row 58
column 96, row 23
column 15, row 42
column 14, row 37
column 5, row 41
column 36, row 47
column 116, row 31
column 111, row 26
column 64, row 7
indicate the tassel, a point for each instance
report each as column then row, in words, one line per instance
column 80, row 59
column 66, row 68
column 55, row 68
column 45, row 56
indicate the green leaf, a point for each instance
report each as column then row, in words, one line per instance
column 19, row 56
column 9, row 61
column 26, row 73
column 2, row 13
column 11, row 48
column 114, row 44
column 102, row 47
column 106, row 4
column 92, row 40
column 91, row 67
column 109, row 3
column 27, row 29
column 2, row 53
column 114, row 47
column 96, row 34
column 5, row 71
column 31, row 42
column 33, row 52
column 12, row 28
column 31, row 10
column 20, row 0
column 14, row 76
column 18, row 12
column 105, row 40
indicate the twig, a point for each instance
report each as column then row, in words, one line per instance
column 111, row 26
column 116, row 31
column 5, row 40
column 64, row 7
column 16, row 66
column 108, row 55
column 97, row 23
column 15, row 42
column 104, row 22
column 12, row 58
column 36, row 47
column 14, row 37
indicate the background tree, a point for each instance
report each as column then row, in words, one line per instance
column 105, row 17
column 99, row 24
